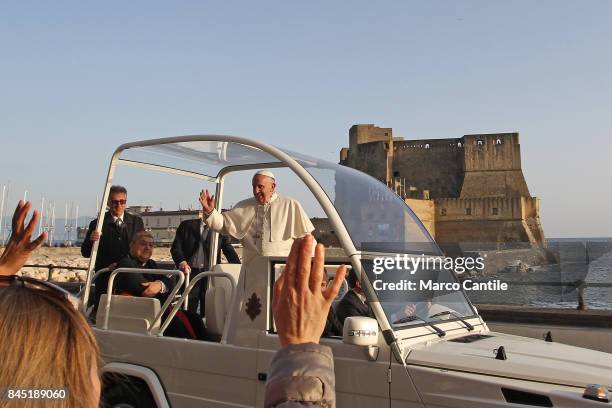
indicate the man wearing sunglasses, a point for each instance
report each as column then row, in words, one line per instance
column 118, row 230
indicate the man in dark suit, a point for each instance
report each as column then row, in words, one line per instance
column 354, row 301
column 190, row 251
column 118, row 230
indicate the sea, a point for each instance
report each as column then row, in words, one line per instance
column 585, row 262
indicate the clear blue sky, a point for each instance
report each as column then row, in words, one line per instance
column 79, row 78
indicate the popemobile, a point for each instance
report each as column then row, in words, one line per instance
column 442, row 355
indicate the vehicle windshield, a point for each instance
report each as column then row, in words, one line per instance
column 382, row 226
column 416, row 289
column 375, row 217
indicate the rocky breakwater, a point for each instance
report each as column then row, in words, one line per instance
column 68, row 257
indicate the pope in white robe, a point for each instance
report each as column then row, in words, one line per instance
column 266, row 224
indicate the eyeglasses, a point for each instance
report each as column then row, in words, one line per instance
column 36, row 284
column 117, row 202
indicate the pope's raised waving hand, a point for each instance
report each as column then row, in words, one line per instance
column 207, row 201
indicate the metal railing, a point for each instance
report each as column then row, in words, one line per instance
column 51, row 267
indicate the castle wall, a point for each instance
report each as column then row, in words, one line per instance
column 359, row 134
column 488, row 220
column 492, row 165
column 497, row 151
column 371, row 159
column 434, row 165
column 344, row 152
column 482, row 231
column 426, row 211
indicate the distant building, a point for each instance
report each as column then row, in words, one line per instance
column 163, row 224
column 468, row 189
column 138, row 209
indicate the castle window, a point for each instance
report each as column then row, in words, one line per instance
column 427, row 145
column 479, row 142
column 468, row 211
column 498, row 142
column 459, row 144
column 443, row 211
column 386, row 134
column 495, row 211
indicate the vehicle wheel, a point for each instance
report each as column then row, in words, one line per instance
column 126, row 392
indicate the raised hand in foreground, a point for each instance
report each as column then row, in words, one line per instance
column 301, row 373
column 20, row 247
column 299, row 306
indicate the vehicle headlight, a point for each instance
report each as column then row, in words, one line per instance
column 596, row 392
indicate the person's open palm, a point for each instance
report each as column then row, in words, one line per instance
column 20, row 247
column 299, row 306
column 207, row 201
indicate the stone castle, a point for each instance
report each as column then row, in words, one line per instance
column 468, row 189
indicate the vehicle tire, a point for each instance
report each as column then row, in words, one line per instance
column 126, row 392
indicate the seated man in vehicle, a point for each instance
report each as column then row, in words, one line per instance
column 184, row 324
column 146, row 285
column 354, row 301
column 266, row 223
column 400, row 311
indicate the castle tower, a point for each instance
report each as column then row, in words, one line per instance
column 370, row 150
column 475, row 182
column 492, row 166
